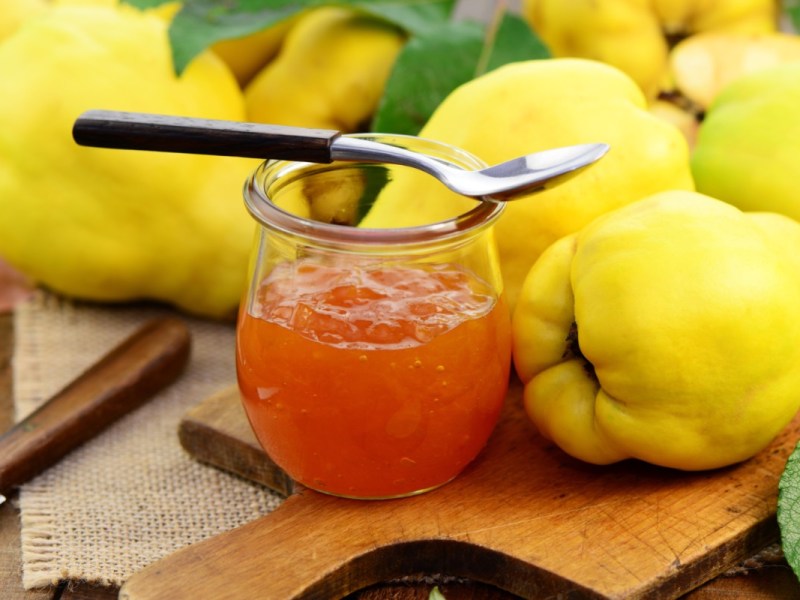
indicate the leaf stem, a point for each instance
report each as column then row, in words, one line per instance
column 491, row 35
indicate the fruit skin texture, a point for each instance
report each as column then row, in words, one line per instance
column 747, row 148
column 110, row 225
column 329, row 74
column 535, row 105
column 665, row 331
column 609, row 30
column 16, row 12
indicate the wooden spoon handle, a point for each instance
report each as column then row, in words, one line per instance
column 163, row 133
column 150, row 359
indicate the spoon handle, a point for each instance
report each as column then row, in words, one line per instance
column 162, row 133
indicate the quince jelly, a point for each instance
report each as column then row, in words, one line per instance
column 373, row 382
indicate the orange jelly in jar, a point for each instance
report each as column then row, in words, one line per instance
column 373, row 383
column 371, row 363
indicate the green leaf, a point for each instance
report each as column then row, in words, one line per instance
column 791, row 10
column 431, row 66
column 436, row 594
column 789, row 510
column 794, row 16
column 144, row 4
column 416, row 18
column 201, row 23
column 426, row 70
column 515, row 41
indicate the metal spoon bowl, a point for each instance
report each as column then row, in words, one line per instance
column 505, row 181
column 161, row 133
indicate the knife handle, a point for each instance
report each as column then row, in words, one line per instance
column 131, row 373
column 189, row 135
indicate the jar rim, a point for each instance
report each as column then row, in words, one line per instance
column 275, row 172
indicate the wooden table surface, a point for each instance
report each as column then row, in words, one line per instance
column 772, row 580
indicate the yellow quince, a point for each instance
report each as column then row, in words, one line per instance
column 329, row 74
column 703, row 65
column 111, row 225
column 637, row 36
column 247, row 55
column 16, row 12
column 665, row 331
column 534, row 105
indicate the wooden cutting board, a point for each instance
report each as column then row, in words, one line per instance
column 523, row 517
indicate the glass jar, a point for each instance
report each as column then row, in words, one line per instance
column 372, row 363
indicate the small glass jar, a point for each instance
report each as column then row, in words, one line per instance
column 372, row 363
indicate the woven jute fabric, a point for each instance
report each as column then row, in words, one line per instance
column 132, row 494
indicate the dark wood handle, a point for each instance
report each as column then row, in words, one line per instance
column 163, row 133
column 146, row 362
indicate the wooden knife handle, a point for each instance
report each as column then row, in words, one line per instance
column 146, row 362
column 163, row 133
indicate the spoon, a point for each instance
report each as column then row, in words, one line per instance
column 505, row 181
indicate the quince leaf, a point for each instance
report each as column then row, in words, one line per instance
column 431, row 66
column 201, row 23
column 791, row 8
column 436, row 594
column 515, row 41
column 426, row 70
column 144, row 4
column 415, row 18
column 789, row 510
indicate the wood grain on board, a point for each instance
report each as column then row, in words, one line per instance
column 523, row 517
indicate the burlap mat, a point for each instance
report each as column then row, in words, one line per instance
column 131, row 495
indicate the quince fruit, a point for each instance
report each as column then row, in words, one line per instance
column 534, row 105
column 247, row 55
column 113, row 225
column 665, row 331
column 329, row 74
column 704, row 64
column 679, row 115
column 637, row 36
column 16, row 12
column 747, row 147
